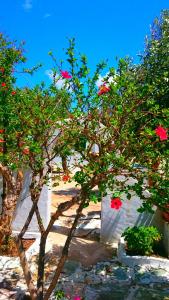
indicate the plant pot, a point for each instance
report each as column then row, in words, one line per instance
column 165, row 214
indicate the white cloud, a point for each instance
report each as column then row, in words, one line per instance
column 27, row 5
column 101, row 80
column 47, row 15
column 59, row 83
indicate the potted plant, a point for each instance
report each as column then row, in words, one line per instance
column 141, row 240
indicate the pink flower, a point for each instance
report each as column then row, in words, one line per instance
column 2, row 141
column 103, row 89
column 66, row 75
column 116, row 203
column 162, row 133
column 77, row 298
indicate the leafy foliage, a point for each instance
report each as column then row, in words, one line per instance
column 113, row 131
column 140, row 240
column 154, row 69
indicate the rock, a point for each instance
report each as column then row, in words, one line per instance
column 15, row 275
column 92, row 279
column 120, row 273
column 33, row 268
column 146, row 275
column 106, row 292
column 102, row 272
column 22, row 286
column 160, row 272
column 151, row 294
column 18, row 270
column 71, row 267
column 9, row 263
column 22, row 296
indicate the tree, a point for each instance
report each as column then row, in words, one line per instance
column 121, row 118
column 129, row 139
column 27, row 125
column 155, row 60
column 10, row 56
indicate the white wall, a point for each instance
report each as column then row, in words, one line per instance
column 24, row 205
column 114, row 222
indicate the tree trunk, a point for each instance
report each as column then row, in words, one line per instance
column 64, row 164
column 13, row 187
column 26, row 269
column 9, row 206
column 65, row 251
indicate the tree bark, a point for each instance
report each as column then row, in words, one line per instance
column 13, row 187
column 64, row 164
column 26, row 269
column 9, row 204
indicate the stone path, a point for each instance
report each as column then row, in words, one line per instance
column 112, row 281
column 108, row 280
column 85, row 246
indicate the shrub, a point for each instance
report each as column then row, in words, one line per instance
column 141, row 240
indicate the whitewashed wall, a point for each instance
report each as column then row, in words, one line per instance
column 24, row 205
column 114, row 222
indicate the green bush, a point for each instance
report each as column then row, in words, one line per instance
column 141, row 240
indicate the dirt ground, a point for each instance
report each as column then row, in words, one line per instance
column 84, row 248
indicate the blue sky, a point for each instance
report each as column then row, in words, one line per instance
column 103, row 29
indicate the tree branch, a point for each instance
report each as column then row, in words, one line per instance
column 65, row 250
column 26, row 270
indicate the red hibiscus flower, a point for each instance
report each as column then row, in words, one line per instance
column 2, row 70
column 2, row 130
column 13, row 93
column 2, row 141
column 66, row 75
column 66, row 178
column 21, row 143
column 26, row 151
column 162, row 133
column 103, row 89
column 3, row 84
column 116, row 203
